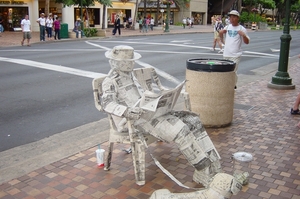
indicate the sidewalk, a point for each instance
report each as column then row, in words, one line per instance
column 262, row 126
column 9, row 39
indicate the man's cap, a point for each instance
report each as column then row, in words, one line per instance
column 122, row 52
column 234, row 12
column 78, row 19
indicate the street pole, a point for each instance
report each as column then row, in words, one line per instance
column 167, row 18
column 282, row 80
column 81, row 23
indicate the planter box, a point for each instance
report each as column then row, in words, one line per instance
column 262, row 25
column 72, row 35
column 101, row 32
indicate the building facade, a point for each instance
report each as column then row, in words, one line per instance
column 13, row 11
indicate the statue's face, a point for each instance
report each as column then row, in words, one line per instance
column 122, row 65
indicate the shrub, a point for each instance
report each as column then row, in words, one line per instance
column 90, row 32
column 251, row 17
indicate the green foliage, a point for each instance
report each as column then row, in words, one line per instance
column 90, row 32
column 178, row 24
column 84, row 3
column 244, row 17
column 251, row 17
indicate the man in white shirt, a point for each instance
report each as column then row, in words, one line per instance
column 26, row 29
column 42, row 22
column 235, row 35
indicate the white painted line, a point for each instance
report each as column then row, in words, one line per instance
column 153, row 43
column 257, row 53
column 62, row 69
column 145, row 65
column 182, row 45
column 180, row 41
column 274, row 50
column 48, row 50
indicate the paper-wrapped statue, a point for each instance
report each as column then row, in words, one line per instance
column 128, row 96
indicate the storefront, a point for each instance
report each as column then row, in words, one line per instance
column 90, row 16
column 151, row 10
column 198, row 18
column 123, row 10
column 12, row 13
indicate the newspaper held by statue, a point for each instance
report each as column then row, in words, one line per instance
column 159, row 104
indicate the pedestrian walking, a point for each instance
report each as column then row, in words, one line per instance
column 235, row 36
column 117, row 24
column 125, row 22
column 140, row 24
column 217, row 28
column 192, row 22
column 184, row 22
column 130, row 22
column 49, row 26
column 189, row 22
column 56, row 25
column 26, row 30
column 1, row 26
column 145, row 26
column 295, row 109
column 151, row 23
column 42, row 23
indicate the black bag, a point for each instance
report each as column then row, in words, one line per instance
column 114, row 31
column 219, row 27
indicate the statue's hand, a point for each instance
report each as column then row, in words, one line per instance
column 133, row 113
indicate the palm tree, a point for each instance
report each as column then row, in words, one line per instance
column 47, row 2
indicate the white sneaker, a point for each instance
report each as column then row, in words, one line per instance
column 223, row 45
column 220, row 51
column 212, row 50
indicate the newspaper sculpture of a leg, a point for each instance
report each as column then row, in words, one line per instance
column 122, row 98
column 222, row 186
column 185, row 129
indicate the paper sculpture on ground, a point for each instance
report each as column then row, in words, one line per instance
column 222, row 186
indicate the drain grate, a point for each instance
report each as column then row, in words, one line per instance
column 243, row 106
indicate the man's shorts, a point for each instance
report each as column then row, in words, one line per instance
column 216, row 35
column 26, row 35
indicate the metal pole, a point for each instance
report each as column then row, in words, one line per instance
column 282, row 80
column 81, row 23
column 167, row 18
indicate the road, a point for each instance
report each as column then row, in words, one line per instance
column 46, row 89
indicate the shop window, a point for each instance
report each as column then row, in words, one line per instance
column 12, row 17
column 91, row 16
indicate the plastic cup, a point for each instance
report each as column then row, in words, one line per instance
column 100, row 157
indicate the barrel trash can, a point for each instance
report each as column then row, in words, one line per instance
column 64, row 31
column 210, row 84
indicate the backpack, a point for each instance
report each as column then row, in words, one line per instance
column 219, row 27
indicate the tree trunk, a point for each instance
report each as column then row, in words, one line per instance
column 135, row 13
column 145, row 8
column 157, row 12
column 47, row 2
column 104, row 17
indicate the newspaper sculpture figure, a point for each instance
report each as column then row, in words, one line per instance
column 128, row 96
column 222, row 186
